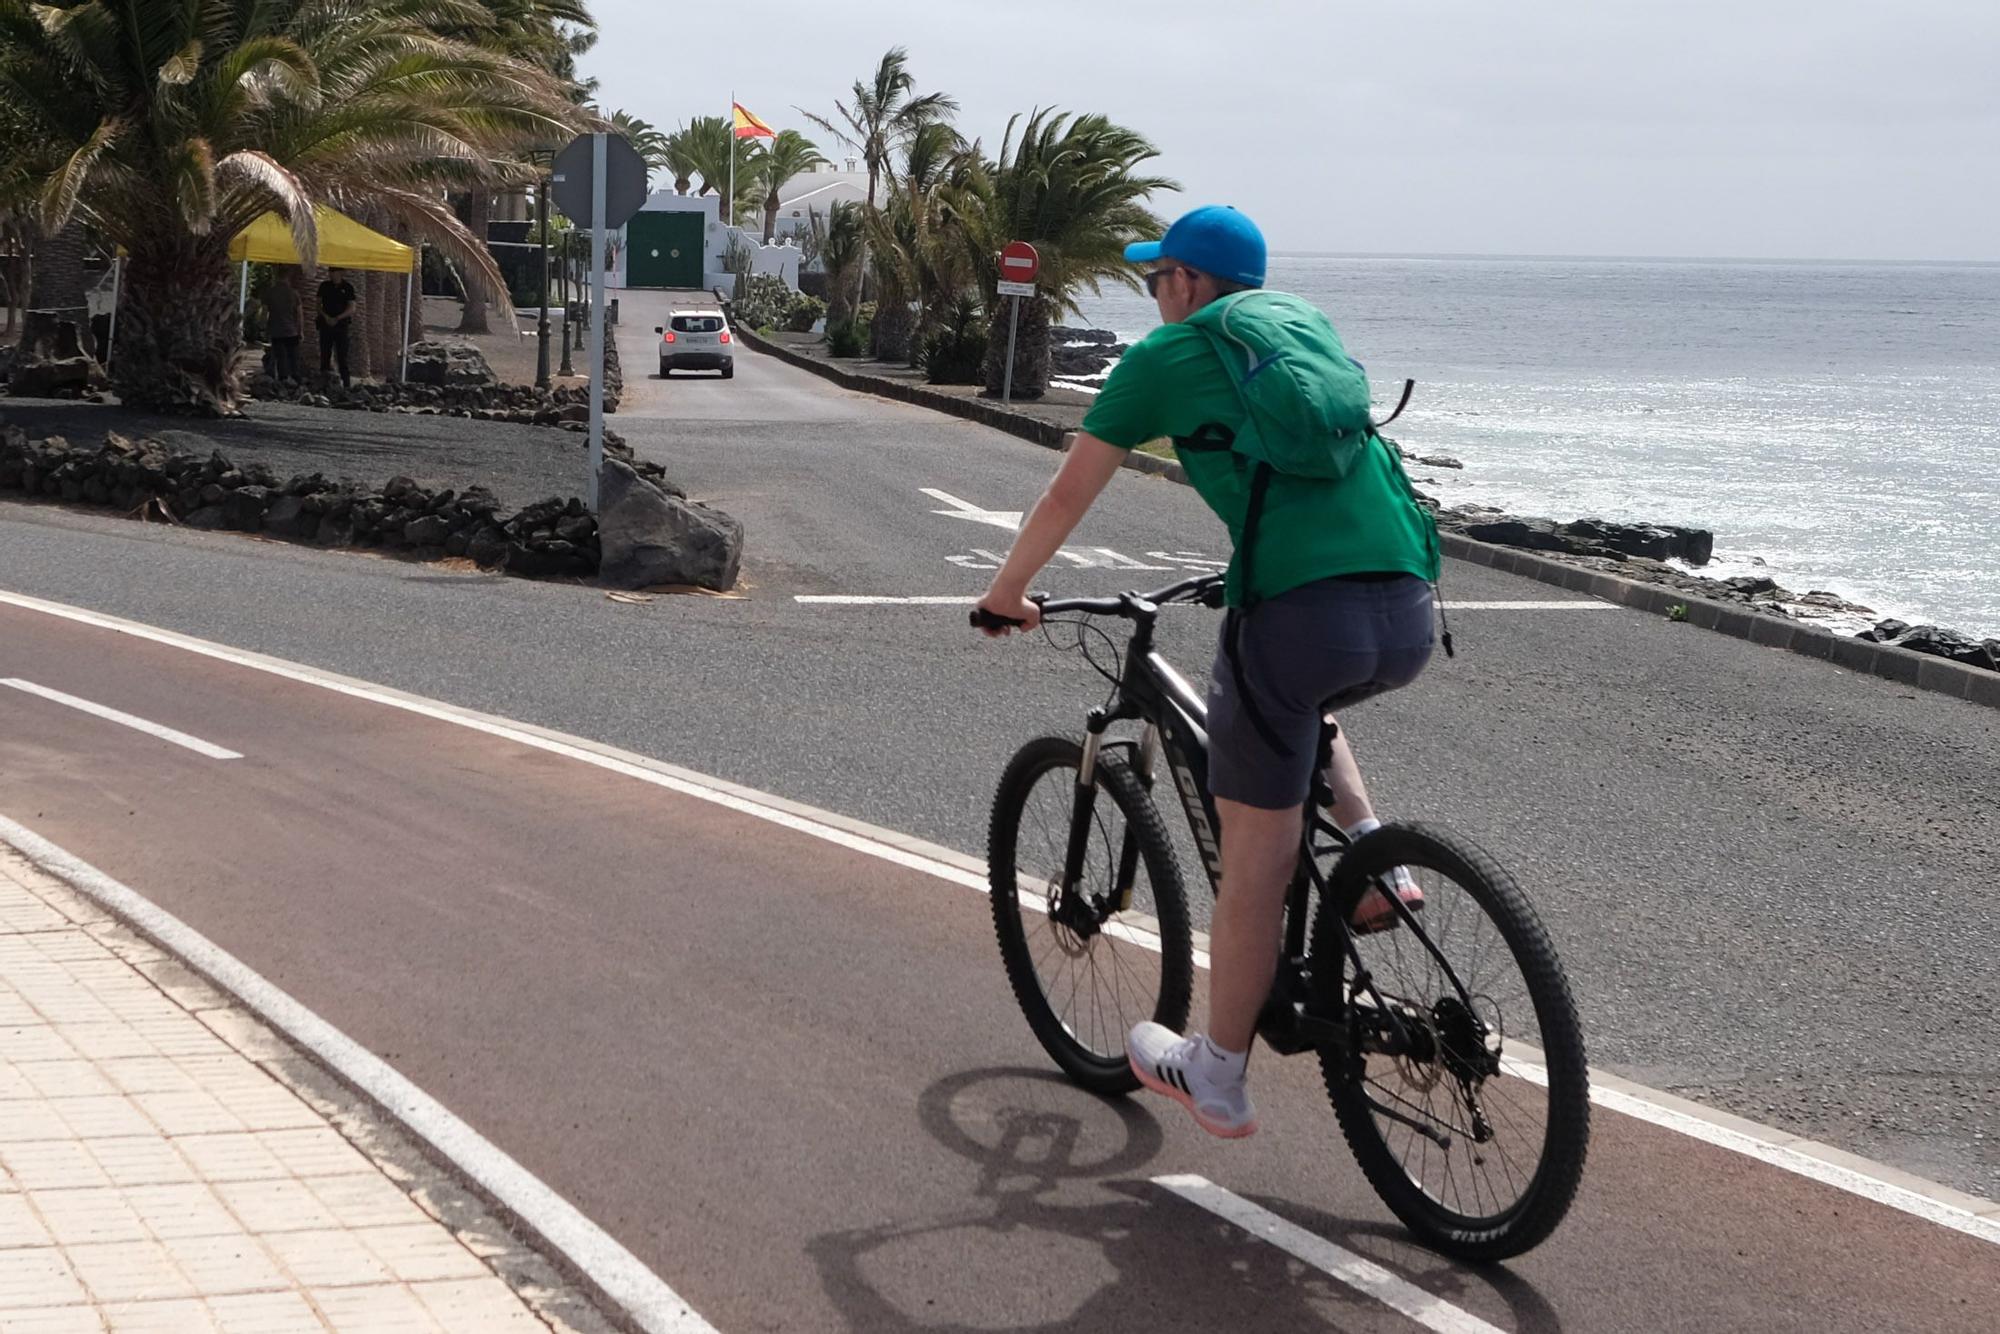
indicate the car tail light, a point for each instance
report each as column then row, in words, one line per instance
column 670, row 335
column 725, row 335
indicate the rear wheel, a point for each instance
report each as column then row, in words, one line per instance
column 728, row 372
column 1090, row 961
column 665, row 371
column 1465, row 1099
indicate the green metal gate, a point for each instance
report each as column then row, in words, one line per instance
column 664, row 250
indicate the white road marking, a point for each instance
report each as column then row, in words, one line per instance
column 966, row 600
column 1336, row 1262
column 965, row 509
column 137, row 724
column 1874, row 1181
column 615, row 1270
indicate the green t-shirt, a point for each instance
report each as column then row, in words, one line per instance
column 1171, row 383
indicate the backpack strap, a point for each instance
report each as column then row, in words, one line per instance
column 1260, row 482
column 1409, row 387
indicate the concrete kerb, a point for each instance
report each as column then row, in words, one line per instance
column 1904, row 666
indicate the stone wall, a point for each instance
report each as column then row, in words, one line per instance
column 146, row 478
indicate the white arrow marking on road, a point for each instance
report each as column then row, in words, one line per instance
column 965, row 509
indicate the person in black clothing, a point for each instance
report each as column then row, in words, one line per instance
column 336, row 317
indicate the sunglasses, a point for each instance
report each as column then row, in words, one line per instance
column 1154, row 278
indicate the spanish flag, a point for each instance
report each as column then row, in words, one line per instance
column 749, row 127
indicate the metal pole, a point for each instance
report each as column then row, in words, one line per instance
column 1013, row 327
column 568, row 240
column 542, row 324
column 111, row 334
column 243, row 289
column 409, row 289
column 732, row 160
column 598, row 169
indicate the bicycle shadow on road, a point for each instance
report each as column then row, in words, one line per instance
column 1066, row 1232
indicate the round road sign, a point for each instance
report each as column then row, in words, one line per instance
column 1019, row 263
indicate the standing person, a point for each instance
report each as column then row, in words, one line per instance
column 282, row 328
column 337, row 303
column 1329, row 590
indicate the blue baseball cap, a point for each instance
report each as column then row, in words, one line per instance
column 1214, row 239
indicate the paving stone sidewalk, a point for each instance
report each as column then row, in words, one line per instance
column 168, row 1163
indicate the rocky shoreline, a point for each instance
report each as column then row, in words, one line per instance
column 1646, row 552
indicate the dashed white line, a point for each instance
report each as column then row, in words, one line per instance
column 137, row 724
column 1336, row 1262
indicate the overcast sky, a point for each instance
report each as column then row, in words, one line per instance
column 1753, row 128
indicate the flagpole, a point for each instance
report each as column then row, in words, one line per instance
column 732, row 157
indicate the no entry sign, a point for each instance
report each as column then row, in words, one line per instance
column 1019, row 263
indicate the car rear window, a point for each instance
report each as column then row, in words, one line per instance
column 698, row 323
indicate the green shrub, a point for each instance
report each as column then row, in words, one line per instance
column 805, row 312
column 956, row 354
column 763, row 299
column 849, row 338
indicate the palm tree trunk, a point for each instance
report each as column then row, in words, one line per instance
column 890, row 332
column 1031, row 348
column 770, row 216
column 56, row 280
column 178, row 331
column 478, row 210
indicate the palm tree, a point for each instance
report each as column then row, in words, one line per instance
column 711, row 142
column 883, row 113
column 780, row 160
column 649, row 142
column 1073, row 188
column 840, row 254
column 680, row 158
column 907, row 260
column 169, row 128
column 543, row 34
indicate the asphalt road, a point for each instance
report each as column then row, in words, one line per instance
column 788, row 1076
column 1773, row 882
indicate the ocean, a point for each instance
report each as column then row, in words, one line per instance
column 1836, row 425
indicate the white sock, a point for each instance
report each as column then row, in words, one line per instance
column 1229, row 1063
column 1368, row 826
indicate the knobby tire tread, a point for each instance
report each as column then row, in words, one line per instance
column 1560, row 1171
column 1109, row 1077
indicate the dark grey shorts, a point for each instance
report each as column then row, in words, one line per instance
column 1323, row 646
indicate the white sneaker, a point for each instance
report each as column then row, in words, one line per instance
column 1184, row 1070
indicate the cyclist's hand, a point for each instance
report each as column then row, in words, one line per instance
column 1014, row 608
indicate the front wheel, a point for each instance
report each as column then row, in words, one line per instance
column 1087, row 961
column 1464, row 1094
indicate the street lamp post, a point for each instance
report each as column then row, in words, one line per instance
column 542, row 323
column 566, row 368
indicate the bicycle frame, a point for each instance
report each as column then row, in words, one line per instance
column 1152, row 691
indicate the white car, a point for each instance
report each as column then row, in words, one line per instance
column 696, row 340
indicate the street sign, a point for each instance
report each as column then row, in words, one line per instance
column 600, row 182
column 1016, row 289
column 1019, row 263
column 624, row 180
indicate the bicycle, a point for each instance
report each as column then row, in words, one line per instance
column 1388, row 1006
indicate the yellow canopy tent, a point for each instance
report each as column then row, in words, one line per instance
column 343, row 244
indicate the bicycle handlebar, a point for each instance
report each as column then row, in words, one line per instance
column 1204, row 588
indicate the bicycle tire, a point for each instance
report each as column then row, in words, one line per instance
column 1546, row 1198
column 1099, row 1071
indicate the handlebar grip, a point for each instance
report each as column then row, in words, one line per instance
column 983, row 619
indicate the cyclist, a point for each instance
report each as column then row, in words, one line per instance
column 1343, row 608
